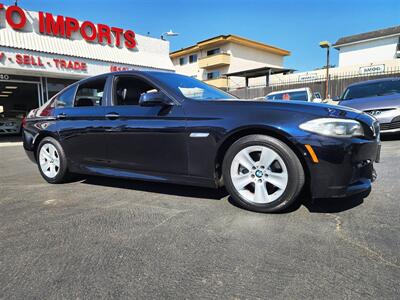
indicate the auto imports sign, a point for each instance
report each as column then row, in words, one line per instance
column 65, row 27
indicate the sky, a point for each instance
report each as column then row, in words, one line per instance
column 297, row 26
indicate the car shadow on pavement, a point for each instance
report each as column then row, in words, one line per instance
column 333, row 205
column 157, row 187
column 330, row 205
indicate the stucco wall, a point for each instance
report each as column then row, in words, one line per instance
column 368, row 52
column 241, row 58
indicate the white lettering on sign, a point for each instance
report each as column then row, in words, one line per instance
column 372, row 69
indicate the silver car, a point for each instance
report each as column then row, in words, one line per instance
column 11, row 122
column 380, row 98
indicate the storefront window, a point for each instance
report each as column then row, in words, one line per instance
column 54, row 85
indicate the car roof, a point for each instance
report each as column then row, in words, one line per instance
column 288, row 91
column 374, row 81
column 127, row 72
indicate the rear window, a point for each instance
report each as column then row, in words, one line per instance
column 65, row 98
column 299, row 96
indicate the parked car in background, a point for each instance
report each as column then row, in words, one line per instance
column 379, row 98
column 11, row 122
column 167, row 127
column 300, row 94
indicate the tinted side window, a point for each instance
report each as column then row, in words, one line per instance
column 66, row 98
column 90, row 93
column 127, row 90
column 301, row 96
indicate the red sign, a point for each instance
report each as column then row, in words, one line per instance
column 70, row 65
column 65, row 27
column 28, row 60
column 61, row 64
column 116, row 68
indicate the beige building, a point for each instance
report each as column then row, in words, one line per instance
column 210, row 60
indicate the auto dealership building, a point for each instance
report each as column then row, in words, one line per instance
column 41, row 53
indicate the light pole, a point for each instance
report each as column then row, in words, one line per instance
column 168, row 34
column 327, row 46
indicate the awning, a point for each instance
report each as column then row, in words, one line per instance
column 259, row 72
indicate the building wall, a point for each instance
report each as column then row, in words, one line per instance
column 245, row 58
column 241, row 58
column 368, row 52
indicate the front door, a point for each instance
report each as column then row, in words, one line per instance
column 144, row 139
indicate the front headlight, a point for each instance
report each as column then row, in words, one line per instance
column 10, row 124
column 334, row 127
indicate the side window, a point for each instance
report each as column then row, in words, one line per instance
column 128, row 89
column 192, row 58
column 90, row 93
column 182, row 61
column 65, row 98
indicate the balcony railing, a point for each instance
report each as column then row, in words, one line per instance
column 218, row 82
column 216, row 60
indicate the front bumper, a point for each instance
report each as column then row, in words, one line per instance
column 345, row 167
column 391, row 127
column 389, row 121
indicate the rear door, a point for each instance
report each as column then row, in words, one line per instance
column 144, row 139
column 81, row 122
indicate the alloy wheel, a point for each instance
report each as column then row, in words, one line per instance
column 259, row 174
column 49, row 160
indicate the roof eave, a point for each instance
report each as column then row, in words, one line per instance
column 229, row 39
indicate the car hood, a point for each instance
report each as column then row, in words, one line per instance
column 318, row 109
column 299, row 110
column 373, row 103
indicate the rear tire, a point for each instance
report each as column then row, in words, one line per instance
column 262, row 173
column 51, row 161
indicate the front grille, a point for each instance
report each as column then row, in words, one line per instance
column 397, row 119
column 1, row 123
column 390, row 126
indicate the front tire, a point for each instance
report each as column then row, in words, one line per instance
column 262, row 173
column 52, row 161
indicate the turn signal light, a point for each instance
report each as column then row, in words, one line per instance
column 312, row 153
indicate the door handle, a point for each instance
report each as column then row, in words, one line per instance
column 112, row 116
column 61, row 116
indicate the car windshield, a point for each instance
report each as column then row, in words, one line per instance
column 191, row 88
column 374, row 89
column 301, row 96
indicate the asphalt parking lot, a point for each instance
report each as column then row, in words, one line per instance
column 110, row 238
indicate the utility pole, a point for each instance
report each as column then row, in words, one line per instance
column 327, row 46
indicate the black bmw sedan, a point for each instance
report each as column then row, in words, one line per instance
column 166, row 127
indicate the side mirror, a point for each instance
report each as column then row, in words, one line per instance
column 155, row 99
column 336, row 99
